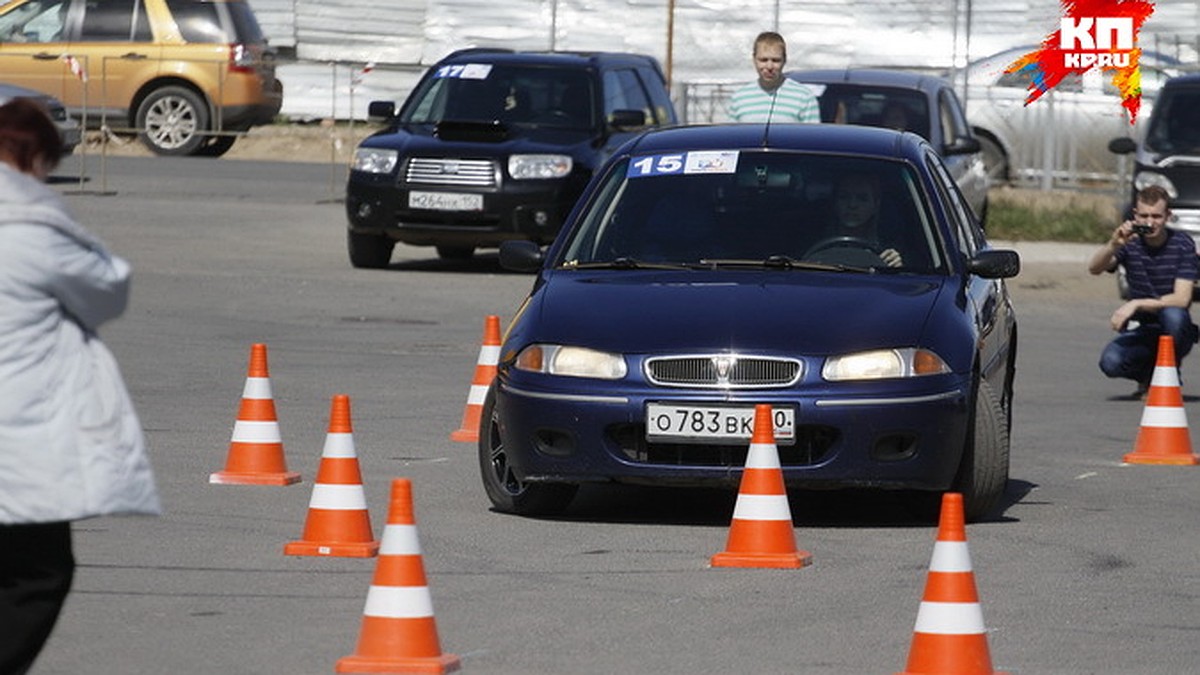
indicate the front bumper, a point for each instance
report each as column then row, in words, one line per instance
column 904, row 436
column 533, row 210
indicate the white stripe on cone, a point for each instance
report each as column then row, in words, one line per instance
column 761, row 507
column 1165, row 376
column 257, row 388
column 950, row 618
column 477, row 394
column 489, row 355
column 338, row 497
column 1164, row 416
column 762, row 456
column 339, row 445
column 950, row 556
column 400, row 540
column 399, row 602
column 245, row 431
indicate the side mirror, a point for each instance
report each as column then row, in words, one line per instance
column 381, row 110
column 995, row 264
column 627, row 119
column 520, row 255
column 1122, row 145
column 963, row 145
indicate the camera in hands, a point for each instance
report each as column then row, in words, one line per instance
column 1138, row 228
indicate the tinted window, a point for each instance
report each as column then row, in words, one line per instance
column 1175, row 127
column 515, row 95
column 199, row 22
column 623, row 91
column 114, row 21
column 658, row 95
column 888, row 107
column 687, row 208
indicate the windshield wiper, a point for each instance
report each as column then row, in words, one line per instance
column 781, row 262
column 626, row 263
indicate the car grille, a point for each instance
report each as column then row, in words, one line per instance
column 813, row 444
column 723, row 371
column 478, row 173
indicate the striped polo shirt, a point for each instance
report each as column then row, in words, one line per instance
column 790, row 102
column 1151, row 272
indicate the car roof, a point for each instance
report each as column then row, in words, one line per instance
column 831, row 138
column 581, row 59
column 1190, row 80
column 877, row 77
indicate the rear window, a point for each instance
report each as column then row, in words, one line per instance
column 888, row 107
column 216, row 22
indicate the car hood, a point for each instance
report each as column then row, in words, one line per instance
column 420, row 138
column 785, row 312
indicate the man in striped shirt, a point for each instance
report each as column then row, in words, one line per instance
column 1161, row 268
column 773, row 98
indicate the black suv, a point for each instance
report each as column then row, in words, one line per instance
column 1169, row 155
column 494, row 145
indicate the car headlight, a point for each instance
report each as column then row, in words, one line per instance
column 882, row 364
column 375, row 160
column 571, row 362
column 1145, row 179
column 539, row 166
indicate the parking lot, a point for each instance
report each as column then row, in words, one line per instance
column 1090, row 568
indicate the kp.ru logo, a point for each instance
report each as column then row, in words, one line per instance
column 1092, row 34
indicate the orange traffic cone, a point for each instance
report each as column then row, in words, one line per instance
column 485, row 372
column 338, row 523
column 761, row 533
column 949, row 636
column 256, row 450
column 1163, row 437
column 399, row 634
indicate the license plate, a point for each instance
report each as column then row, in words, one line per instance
column 686, row 423
column 445, row 201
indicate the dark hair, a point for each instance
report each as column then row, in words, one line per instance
column 1153, row 194
column 26, row 133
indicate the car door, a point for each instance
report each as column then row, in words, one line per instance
column 122, row 54
column 32, row 45
column 967, row 169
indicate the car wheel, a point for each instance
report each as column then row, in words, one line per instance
column 372, row 251
column 983, row 473
column 995, row 161
column 508, row 493
column 172, row 121
column 455, row 252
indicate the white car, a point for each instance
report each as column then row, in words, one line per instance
column 68, row 128
column 1078, row 117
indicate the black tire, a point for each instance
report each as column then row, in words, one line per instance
column 507, row 492
column 173, row 121
column 216, row 146
column 370, row 251
column 455, row 252
column 983, row 473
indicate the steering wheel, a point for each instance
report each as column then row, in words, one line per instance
column 843, row 241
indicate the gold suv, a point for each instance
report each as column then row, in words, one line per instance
column 184, row 75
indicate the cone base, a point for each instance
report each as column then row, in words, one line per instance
column 236, row 478
column 341, row 549
column 1150, row 458
column 464, row 435
column 363, row 664
column 993, row 672
column 773, row 560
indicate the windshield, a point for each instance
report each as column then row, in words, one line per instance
column 511, row 94
column 1175, row 128
column 753, row 208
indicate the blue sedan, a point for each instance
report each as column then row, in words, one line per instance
column 834, row 272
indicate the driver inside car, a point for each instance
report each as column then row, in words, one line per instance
column 856, row 207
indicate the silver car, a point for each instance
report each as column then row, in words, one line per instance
column 1062, row 135
column 68, row 128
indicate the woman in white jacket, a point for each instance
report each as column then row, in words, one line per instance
column 71, row 446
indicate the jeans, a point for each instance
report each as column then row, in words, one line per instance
column 1133, row 353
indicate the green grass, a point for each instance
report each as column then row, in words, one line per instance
column 1034, row 215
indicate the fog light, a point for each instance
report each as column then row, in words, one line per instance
column 364, row 210
column 540, row 218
